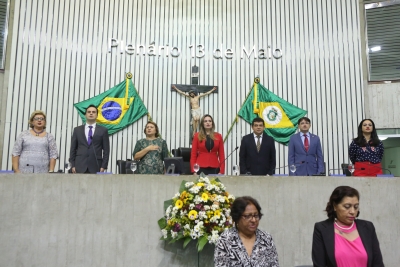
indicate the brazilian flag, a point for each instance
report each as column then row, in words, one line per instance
column 279, row 115
column 118, row 107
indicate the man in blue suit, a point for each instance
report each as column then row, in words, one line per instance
column 257, row 151
column 305, row 151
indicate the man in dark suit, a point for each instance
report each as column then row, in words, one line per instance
column 257, row 151
column 90, row 145
column 305, row 151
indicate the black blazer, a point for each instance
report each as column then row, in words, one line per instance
column 257, row 163
column 323, row 247
column 84, row 157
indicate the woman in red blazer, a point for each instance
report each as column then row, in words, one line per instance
column 208, row 148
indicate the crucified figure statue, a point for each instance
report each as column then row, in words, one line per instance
column 194, row 99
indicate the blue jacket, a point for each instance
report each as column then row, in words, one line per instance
column 307, row 162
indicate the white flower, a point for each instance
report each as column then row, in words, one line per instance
column 209, row 187
column 164, row 232
column 191, row 206
column 168, row 211
column 213, row 238
column 202, row 215
column 214, row 207
column 222, row 221
column 197, row 199
column 196, row 228
column 194, row 189
column 189, row 184
column 187, row 227
column 193, row 234
column 174, row 234
column 206, row 207
column 220, row 199
column 183, row 212
column 214, row 218
column 173, row 213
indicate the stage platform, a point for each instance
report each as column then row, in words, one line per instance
column 111, row 220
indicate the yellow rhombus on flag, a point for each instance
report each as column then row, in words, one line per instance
column 279, row 115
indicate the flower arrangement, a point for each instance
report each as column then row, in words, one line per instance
column 201, row 210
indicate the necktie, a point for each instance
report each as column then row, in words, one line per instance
column 90, row 134
column 258, row 143
column 306, row 142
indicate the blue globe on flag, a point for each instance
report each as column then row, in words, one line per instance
column 111, row 110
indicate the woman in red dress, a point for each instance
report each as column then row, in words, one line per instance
column 208, row 148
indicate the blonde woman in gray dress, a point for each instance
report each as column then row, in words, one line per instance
column 35, row 150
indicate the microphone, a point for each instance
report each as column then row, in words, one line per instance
column 372, row 167
column 228, row 156
column 345, row 170
column 384, row 169
column 219, row 167
column 33, row 167
column 94, row 152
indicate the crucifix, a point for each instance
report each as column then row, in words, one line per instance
column 194, row 92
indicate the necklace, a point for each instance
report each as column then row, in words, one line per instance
column 343, row 230
column 37, row 133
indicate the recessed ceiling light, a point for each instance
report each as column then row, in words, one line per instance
column 375, row 48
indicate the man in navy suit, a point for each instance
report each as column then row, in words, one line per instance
column 90, row 145
column 305, row 151
column 257, row 151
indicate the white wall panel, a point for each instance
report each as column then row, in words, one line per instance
column 59, row 57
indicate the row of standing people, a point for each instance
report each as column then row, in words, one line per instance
column 35, row 150
column 257, row 154
column 342, row 240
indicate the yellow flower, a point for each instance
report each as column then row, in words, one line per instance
column 184, row 195
column 204, row 196
column 209, row 214
column 217, row 213
column 192, row 215
column 179, row 204
column 200, row 184
column 226, row 199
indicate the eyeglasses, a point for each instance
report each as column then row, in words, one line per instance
column 250, row 216
column 38, row 119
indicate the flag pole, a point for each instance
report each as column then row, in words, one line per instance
column 129, row 76
column 256, row 81
column 149, row 118
column 235, row 120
